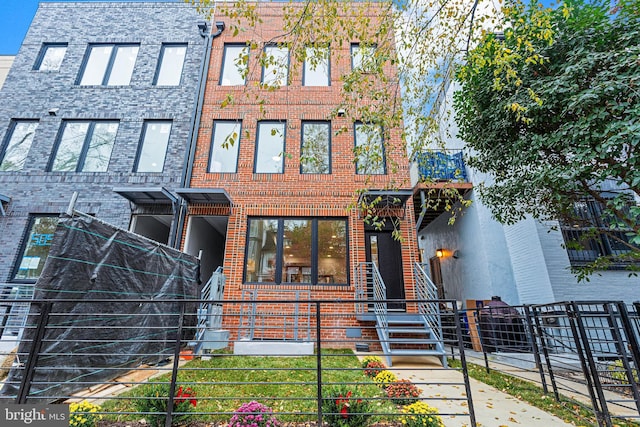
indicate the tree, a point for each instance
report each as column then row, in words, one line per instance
column 550, row 109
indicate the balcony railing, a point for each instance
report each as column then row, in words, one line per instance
column 441, row 165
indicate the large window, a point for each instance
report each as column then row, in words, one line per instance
column 153, row 148
column 316, row 67
column 275, row 70
column 316, row 147
column 170, row 64
column 234, row 65
column 84, row 146
column 225, row 143
column 296, row 250
column 51, row 57
column 363, row 57
column 35, row 248
column 17, row 144
column 109, row 64
column 270, row 148
column 589, row 235
column 369, row 149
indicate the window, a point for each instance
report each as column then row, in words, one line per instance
column 170, row 64
column 225, row 143
column 275, row 71
column 589, row 235
column 17, row 144
column 270, row 148
column 363, row 57
column 51, row 57
column 315, row 148
column 84, row 146
column 35, row 248
column 234, row 65
column 296, row 250
column 316, row 67
column 153, row 148
column 109, row 64
column 369, row 149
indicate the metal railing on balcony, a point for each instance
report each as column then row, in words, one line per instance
column 441, row 165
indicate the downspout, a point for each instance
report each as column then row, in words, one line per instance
column 187, row 169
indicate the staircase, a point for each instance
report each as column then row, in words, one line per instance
column 416, row 332
column 209, row 332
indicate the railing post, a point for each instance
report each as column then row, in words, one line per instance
column 465, row 372
column 174, row 372
column 319, row 362
column 534, row 347
column 34, row 353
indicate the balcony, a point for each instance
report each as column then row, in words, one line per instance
column 441, row 165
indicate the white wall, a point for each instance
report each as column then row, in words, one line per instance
column 5, row 65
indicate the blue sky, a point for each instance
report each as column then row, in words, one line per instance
column 15, row 18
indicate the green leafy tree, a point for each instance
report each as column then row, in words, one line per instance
column 549, row 109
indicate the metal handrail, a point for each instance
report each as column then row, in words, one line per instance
column 427, row 292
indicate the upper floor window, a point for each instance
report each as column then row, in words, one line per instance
column 17, row 144
column 316, row 67
column 109, row 64
column 35, row 248
column 51, row 57
column 170, row 64
column 315, row 148
column 225, row 142
column 275, row 70
column 84, row 146
column 589, row 234
column 270, row 147
column 153, row 148
column 363, row 57
column 308, row 251
column 234, row 65
column 369, row 149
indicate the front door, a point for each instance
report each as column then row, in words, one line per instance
column 386, row 253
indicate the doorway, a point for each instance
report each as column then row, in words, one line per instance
column 386, row 253
column 436, row 275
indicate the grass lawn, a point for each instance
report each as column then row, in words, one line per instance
column 286, row 384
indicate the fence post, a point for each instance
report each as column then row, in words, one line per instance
column 34, row 353
column 545, row 351
column 465, row 372
column 174, row 372
column 632, row 348
column 319, row 363
column 535, row 348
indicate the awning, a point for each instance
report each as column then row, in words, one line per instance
column 388, row 198
column 217, row 196
column 147, row 195
column 3, row 199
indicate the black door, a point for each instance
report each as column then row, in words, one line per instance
column 386, row 253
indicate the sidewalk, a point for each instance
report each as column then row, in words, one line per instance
column 493, row 408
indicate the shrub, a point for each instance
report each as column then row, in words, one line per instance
column 340, row 408
column 420, row 414
column 403, row 392
column 83, row 414
column 253, row 414
column 373, row 368
column 156, row 401
column 384, row 378
column 618, row 372
column 367, row 359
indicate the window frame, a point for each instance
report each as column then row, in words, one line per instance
column 108, row 70
column 213, row 150
column 141, row 145
column 302, row 140
column 315, row 251
column 86, row 145
column 23, row 246
column 360, row 67
column 266, row 67
column 383, row 148
column 161, row 62
column 8, row 137
column 43, row 53
column 282, row 123
column 328, row 65
column 233, row 67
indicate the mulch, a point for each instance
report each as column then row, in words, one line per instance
column 207, row 424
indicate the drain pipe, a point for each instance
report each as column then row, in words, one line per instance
column 187, row 169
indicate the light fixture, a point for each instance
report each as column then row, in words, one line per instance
column 53, row 111
column 439, row 252
column 341, row 112
column 456, row 254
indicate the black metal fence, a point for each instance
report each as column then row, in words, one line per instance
column 305, row 365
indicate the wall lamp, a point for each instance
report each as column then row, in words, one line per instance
column 53, row 111
column 441, row 253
